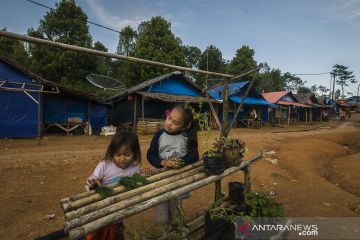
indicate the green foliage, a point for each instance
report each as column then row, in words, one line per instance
column 133, row 182
column 156, row 42
column 337, row 94
column 66, row 24
column 323, row 90
column 127, row 41
column 192, row 56
column 104, row 191
column 14, row 50
column 293, row 83
column 230, row 144
column 211, row 59
column 269, row 80
column 219, row 211
column 343, row 76
column 242, row 62
column 303, row 89
column 263, row 205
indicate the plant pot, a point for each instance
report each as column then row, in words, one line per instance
column 214, row 165
column 236, row 193
column 232, row 157
column 218, row 229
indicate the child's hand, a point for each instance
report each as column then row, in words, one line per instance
column 171, row 163
column 146, row 172
column 91, row 184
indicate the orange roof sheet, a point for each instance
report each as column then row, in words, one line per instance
column 273, row 97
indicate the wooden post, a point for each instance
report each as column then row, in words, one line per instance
column 134, row 124
column 247, row 179
column 306, row 115
column 289, row 115
column 88, row 117
column 311, row 115
column 224, row 132
column 142, row 108
column 39, row 119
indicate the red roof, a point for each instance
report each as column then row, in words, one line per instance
column 291, row 104
column 274, row 97
column 342, row 103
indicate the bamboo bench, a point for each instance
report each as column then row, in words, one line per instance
column 88, row 211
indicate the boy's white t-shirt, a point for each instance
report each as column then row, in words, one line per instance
column 108, row 172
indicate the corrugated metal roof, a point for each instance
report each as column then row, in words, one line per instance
column 274, row 97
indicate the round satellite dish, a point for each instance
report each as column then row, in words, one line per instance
column 105, row 82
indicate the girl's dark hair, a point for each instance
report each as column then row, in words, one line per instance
column 192, row 131
column 129, row 139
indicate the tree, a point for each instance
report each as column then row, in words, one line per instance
column 66, row 24
column 323, row 90
column 337, row 94
column 242, row 62
column 103, row 64
column 293, row 83
column 314, row 89
column 303, row 89
column 127, row 41
column 210, row 60
column 156, row 42
column 269, row 80
column 192, row 56
column 14, row 50
column 343, row 76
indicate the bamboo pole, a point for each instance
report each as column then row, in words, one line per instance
column 85, row 209
column 80, row 232
column 240, row 106
column 213, row 112
column 126, row 203
column 142, row 108
column 233, row 78
column 247, row 179
column 103, row 54
column 85, row 198
column 39, row 119
column 135, row 103
column 161, row 174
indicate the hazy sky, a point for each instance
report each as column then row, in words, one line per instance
column 299, row 36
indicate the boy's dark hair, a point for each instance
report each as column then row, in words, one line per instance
column 129, row 139
column 192, row 131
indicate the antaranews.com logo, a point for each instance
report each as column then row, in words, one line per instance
column 298, row 228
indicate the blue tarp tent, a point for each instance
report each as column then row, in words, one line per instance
column 18, row 109
column 236, row 92
column 152, row 97
column 20, row 113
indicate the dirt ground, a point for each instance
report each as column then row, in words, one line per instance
column 316, row 174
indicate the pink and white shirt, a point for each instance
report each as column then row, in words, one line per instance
column 108, row 172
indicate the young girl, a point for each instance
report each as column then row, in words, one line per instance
column 122, row 158
column 177, row 141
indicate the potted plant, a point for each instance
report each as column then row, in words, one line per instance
column 213, row 162
column 233, row 150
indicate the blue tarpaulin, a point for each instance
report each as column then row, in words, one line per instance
column 18, row 115
column 173, row 85
column 18, row 110
column 236, row 90
column 252, row 101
